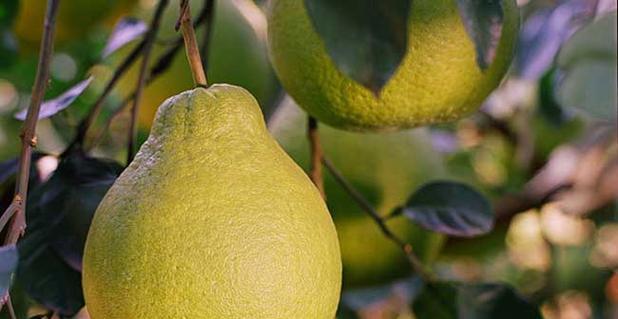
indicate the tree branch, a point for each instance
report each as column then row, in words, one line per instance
column 164, row 61
column 315, row 172
column 9, row 306
column 193, row 54
column 141, row 81
column 363, row 203
column 28, row 136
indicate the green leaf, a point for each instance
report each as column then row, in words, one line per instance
column 450, row 300
column 449, row 208
column 588, row 61
column 483, row 21
column 366, row 39
column 59, row 213
column 8, row 264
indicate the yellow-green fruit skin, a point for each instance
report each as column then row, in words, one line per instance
column 386, row 168
column 437, row 81
column 212, row 220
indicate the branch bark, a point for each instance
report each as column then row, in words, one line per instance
column 315, row 148
column 17, row 208
column 363, row 203
column 28, row 135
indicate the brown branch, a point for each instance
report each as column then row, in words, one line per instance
column 9, row 306
column 141, row 81
column 363, row 203
column 28, row 136
column 193, row 54
column 9, row 212
column 315, row 172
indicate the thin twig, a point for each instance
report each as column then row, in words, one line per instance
column 28, row 136
column 149, row 41
column 416, row 264
column 87, row 122
column 8, row 213
column 163, row 63
column 209, row 10
column 9, row 306
column 193, row 54
column 315, row 148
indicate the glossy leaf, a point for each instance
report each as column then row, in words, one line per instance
column 588, row 61
column 446, row 300
column 8, row 264
column 53, row 106
column 366, row 39
column 59, row 212
column 125, row 31
column 449, row 208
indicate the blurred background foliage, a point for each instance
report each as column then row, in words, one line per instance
column 543, row 149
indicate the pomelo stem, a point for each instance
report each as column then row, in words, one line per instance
column 191, row 47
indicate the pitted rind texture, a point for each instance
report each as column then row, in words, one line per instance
column 437, row 81
column 212, row 220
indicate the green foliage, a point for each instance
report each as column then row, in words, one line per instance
column 589, row 63
column 449, row 208
column 370, row 46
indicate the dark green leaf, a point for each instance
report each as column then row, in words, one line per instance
column 588, row 60
column 8, row 264
column 47, row 278
column 483, row 21
column 59, row 212
column 366, row 39
column 450, row 208
column 444, row 300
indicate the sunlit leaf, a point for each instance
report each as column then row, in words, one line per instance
column 449, row 208
column 366, row 39
column 51, row 107
column 125, row 31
